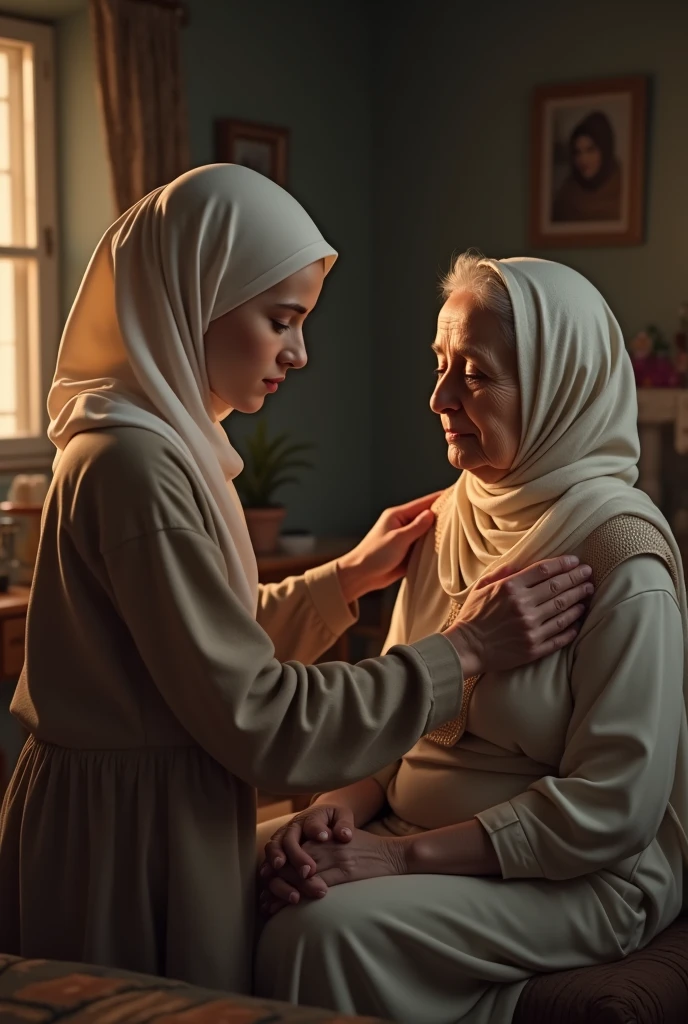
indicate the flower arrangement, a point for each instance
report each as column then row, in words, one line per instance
column 656, row 363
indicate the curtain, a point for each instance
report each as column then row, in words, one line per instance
column 137, row 45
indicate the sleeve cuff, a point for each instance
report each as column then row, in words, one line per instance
column 446, row 675
column 514, row 852
column 327, row 597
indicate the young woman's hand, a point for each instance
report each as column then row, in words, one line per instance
column 510, row 620
column 381, row 557
column 365, row 856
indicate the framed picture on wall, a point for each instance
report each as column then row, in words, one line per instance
column 588, row 163
column 261, row 147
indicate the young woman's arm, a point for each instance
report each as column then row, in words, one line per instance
column 281, row 726
column 304, row 615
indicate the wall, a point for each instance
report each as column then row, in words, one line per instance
column 306, row 65
column 452, row 89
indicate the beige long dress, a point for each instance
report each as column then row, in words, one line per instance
column 156, row 703
column 569, row 764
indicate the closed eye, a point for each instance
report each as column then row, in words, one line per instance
column 279, row 327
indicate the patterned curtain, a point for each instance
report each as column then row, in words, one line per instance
column 137, row 44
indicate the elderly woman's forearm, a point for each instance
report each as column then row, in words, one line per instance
column 464, row 849
column 364, row 799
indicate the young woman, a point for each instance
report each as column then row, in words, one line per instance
column 157, row 691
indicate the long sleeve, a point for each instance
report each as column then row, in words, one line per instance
column 304, row 615
column 282, row 727
column 618, row 765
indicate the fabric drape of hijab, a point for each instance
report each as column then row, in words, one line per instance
column 576, row 463
column 132, row 352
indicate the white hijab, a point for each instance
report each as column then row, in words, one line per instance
column 132, row 352
column 576, row 463
column 577, row 458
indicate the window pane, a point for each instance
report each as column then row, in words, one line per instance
column 8, row 368
column 17, row 148
column 29, row 154
column 8, row 380
column 7, row 309
column 4, row 74
column 18, row 338
column 5, row 209
column 4, row 135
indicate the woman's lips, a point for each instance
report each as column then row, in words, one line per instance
column 452, row 436
column 273, row 384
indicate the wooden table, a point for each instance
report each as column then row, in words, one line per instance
column 274, row 568
column 13, row 607
column 656, row 408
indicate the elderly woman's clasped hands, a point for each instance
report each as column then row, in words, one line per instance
column 321, row 847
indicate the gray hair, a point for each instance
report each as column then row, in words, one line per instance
column 470, row 273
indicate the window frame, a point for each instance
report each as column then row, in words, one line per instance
column 35, row 452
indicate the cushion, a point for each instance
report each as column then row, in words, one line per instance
column 649, row 986
column 46, row 991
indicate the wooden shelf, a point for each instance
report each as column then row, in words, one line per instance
column 657, row 408
column 14, row 603
column 659, row 405
column 276, row 567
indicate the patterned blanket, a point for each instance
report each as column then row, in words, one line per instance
column 47, row 992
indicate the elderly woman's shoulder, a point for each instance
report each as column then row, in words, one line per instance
column 629, row 557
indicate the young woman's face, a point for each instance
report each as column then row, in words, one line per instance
column 477, row 395
column 587, row 157
column 249, row 350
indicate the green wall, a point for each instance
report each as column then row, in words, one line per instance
column 306, row 64
column 452, row 86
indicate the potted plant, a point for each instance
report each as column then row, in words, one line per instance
column 269, row 463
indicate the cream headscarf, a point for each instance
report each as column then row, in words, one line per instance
column 576, row 463
column 577, row 458
column 132, row 352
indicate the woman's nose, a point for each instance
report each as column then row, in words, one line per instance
column 444, row 398
column 295, row 356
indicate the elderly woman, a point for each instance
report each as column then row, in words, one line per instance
column 545, row 828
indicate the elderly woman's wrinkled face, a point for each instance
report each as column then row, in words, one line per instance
column 477, row 395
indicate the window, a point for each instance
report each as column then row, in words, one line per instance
column 29, row 319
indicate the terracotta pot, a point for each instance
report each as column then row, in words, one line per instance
column 264, row 527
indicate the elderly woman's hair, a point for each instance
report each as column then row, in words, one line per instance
column 469, row 273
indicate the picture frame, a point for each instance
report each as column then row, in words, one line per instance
column 588, row 154
column 262, row 147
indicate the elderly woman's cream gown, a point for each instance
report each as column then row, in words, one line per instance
column 568, row 764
